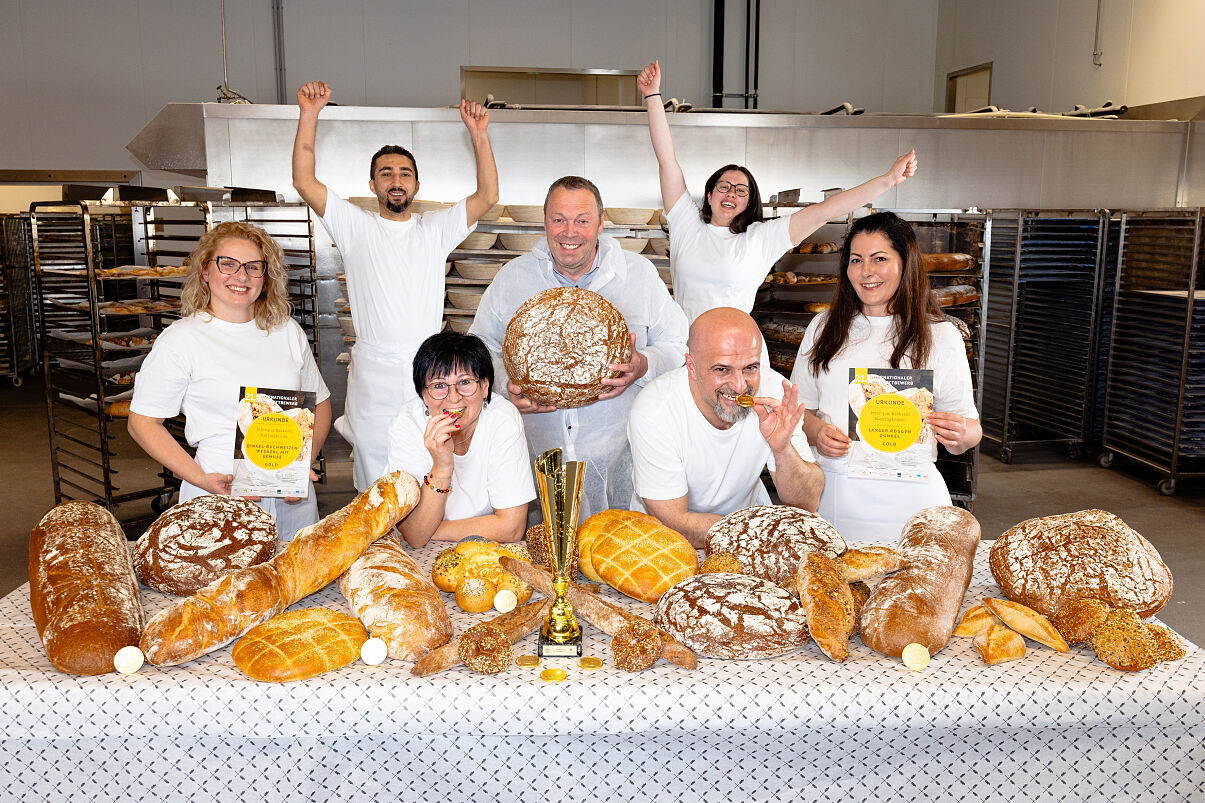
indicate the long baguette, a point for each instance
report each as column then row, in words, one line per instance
column 919, row 603
column 516, row 624
column 82, row 588
column 606, row 616
column 229, row 607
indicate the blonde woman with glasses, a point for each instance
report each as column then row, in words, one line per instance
column 721, row 252
column 466, row 444
column 235, row 331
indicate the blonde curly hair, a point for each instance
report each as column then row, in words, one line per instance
column 273, row 307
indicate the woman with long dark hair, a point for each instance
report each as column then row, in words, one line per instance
column 882, row 316
column 720, row 252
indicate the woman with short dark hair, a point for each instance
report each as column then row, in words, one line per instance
column 467, row 445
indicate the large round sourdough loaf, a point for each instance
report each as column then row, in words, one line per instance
column 770, row 540
column 1091, row 554
column 733, row 616
column 560, row 344
column 635, row 553
column 196, row 542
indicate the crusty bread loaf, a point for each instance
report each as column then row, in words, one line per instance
column 396, row 601
column 1091, row 554
column 920, row 602
column 733, row 616
column 560, row 344
column 637, row 555
column 196, row 542
column 828, row 604
column 936, row 263
column 82, row 588
column 296, row 645
column 770, row 540
column 229, row 607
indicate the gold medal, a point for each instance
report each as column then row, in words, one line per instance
column 590, row 662
column 527, row 661
column 745, row 400
column 553, row 675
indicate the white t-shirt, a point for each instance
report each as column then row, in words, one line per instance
column 395, row 270
column 712, row 267
column 676, row 450
column 494, row 474
column 197, row 366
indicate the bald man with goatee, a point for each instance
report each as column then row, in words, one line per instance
column 698, row 453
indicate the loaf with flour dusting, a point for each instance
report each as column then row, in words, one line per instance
column 82, row 588
column 770, row 540
column 733, row 616
column 560, row 344
column 920, row 602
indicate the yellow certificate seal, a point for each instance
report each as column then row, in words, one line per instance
column 273, row 441
column 889, row 423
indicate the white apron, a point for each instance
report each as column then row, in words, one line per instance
column 874, row 510
column 378, row 384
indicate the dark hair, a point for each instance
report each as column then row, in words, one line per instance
column 397, row 150
column 912, row 307
column 752, row 213
column 446, row 352
column 575, row 183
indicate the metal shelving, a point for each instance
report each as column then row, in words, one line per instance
column 18, row 332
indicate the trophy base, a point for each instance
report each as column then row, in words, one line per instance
column 551, row 649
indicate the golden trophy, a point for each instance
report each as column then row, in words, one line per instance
column 560, row 487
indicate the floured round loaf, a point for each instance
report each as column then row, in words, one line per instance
column 560, row 344
column 198, row 541
column 770, row 540
column 1091, row 554
column 639, row 556
column 732, row 616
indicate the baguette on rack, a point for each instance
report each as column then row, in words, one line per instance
column 82, row 588
column 229, row 607
column 515, row 625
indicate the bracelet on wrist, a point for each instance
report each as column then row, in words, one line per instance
column 652, row 95
column 427, row 482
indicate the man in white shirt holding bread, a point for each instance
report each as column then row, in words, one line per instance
column 575, row 253
column 701, row 434
column 394, row 263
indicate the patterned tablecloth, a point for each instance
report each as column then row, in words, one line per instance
column 1050, row 726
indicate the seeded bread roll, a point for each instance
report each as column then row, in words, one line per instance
column 770, row 540
column 560, row 344
column 1091, row 554
column 198, row 541
column 732, row 616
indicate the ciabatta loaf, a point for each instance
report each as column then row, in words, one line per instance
column 82, row 588
column 396, row 601
column 229, row 607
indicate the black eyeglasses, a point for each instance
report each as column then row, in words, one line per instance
column 230, row 266
column 464, row 387
column 723, row 187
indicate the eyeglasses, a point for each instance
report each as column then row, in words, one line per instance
column 230, row 266
column 464, row 388
column 723, row 188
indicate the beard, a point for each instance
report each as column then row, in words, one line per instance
column 732, row 416
column 397, row 209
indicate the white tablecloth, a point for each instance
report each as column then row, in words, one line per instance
column 1048, row 727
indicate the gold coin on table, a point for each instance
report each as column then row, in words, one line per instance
column 527, row 661
column 553, row 675
column 745, row 400
column 590, row 662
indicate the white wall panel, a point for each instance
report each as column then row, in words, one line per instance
column 543, row 27
column 1100, row 170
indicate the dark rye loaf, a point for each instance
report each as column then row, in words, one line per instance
column 770, row 540
column 723, row 615
column 560, row 344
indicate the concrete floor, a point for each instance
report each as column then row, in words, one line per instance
column 1039, row 482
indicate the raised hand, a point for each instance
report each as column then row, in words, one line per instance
column 475, row 116
column 313, row 96
column 649, row 80
column 779, row 420
column 904, row 168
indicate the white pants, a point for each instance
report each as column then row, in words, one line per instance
column 378, row 384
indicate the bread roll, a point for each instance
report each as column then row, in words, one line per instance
column 862, row 563
column 560, row 344
column 196, row 542
column 296, row 645
column 1124, row 642
column 1086, row 555
column 1027, row 622
column 639, row 556
column 733, row 616
column 82, row 588
column 997, row 644
column 770, row 540
column 229, row 607
column 393, row 598
column 920, row 602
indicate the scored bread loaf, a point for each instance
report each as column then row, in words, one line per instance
column 232, row 605
column 636, row 554
column 560, row 345
column 396, row 601
column 196, row 542
column 770, row 540
column 920, row 602
column 82, row 588
column 733, row 616
column 1091, row 554
column 296, row 645
column 828, row 604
